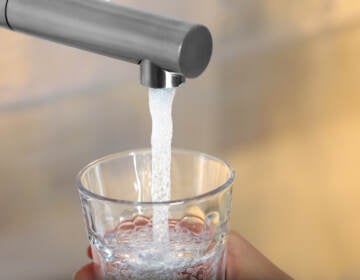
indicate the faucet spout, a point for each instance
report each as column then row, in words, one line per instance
column 153, row 76
column 168, row 50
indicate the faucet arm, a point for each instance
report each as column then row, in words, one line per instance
column 107, row 28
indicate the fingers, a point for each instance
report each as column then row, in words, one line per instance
column 86, row 273
column 245, row 262
column 89, row 252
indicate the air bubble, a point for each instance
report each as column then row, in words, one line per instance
column 136, row 256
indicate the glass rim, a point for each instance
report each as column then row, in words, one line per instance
column 127, row 153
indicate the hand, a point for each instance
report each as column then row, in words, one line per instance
column 244, row 262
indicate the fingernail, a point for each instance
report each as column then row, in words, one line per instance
column 74, row 275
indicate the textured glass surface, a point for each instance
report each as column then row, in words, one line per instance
column 115, row 194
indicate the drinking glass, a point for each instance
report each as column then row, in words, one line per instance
column 115, row 194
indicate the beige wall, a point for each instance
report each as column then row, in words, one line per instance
column 280, row 101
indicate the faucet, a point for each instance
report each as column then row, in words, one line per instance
column 168, row 50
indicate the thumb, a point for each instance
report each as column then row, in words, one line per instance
column 86, row 273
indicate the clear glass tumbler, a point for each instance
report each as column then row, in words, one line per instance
column 115, row 194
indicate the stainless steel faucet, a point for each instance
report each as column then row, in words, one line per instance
column 168, row 50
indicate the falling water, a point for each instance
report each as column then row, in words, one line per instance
column 160, row 101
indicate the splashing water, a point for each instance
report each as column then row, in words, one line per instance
column 192, row 252
column 160, row 102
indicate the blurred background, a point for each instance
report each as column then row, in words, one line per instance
column 280, row 101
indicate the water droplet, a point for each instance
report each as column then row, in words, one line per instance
column 141, row 220
column 212, row 218
column 193, row 224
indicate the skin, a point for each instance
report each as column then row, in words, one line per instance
column 244, row 262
